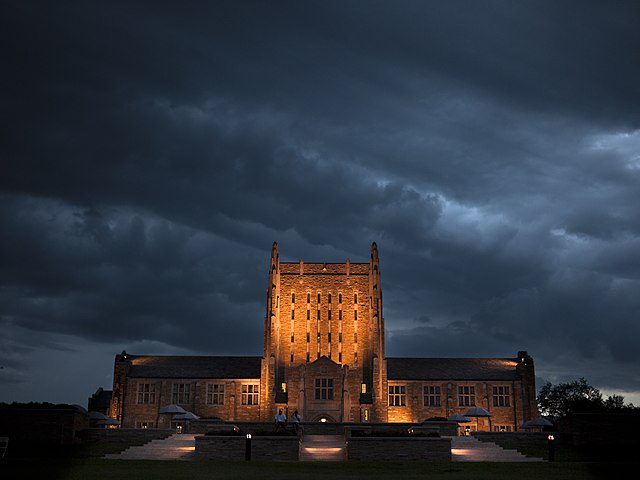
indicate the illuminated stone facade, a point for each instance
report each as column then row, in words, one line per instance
column 323, row 356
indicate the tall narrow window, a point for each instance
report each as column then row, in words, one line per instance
column 340, row 357
column 292, row 358
column 501, row 396
column 318, row 298
column 329, row 298
column 293, row 314
column 318, row 337
column 308, row 314
column 329, row 337
column 329, row 315
column 307, row 337
column 307, row 357
column 339, row 314
column 355, row 337
column 291, row 338
column 293, row 298
column 318, row 314
column 355, row 298
column 355, row 314
column 340, row 337
column 339, row 298
column 308, row 298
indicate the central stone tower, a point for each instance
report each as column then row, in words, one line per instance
column 324, row 340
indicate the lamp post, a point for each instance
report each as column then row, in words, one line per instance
column 247, row 448
column 551, row 441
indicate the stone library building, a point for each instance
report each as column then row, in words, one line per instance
column 324, row 356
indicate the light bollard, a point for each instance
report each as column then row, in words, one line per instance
column 551, row 441
column 247, row 448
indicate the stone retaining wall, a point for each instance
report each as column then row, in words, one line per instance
column 399, row 448
column 233, row 447
column 124, row 435
column 446, row 429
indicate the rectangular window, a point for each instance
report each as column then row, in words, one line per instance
column 307, row 357
column 340, row 357
column 308, row 298
column 308, row 339
column 501, row 397
column 318, row 298
column 291, row 338
column 215, row 394
column 293, row 314
column 431, row 396
column 181, row 393
column 324, row 389
column 355, row 337
column 355, row 314
column 397, row 396
column 339, row 314
column 466, row 396
column 339, row 298
column 250, row 394
column 146, row 393
column 329, row 337
column 318, row 337
column 340, row 337
column 308, row 314
column 355, row 298
column 318, row 314
column 292, row 358
column 329, row 315
column 329, row 298
column 293, row 298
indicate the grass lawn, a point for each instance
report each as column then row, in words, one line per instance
column 94, row 469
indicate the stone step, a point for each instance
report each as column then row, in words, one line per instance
column 175, row 447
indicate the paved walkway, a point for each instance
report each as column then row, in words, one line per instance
column 469, row 449
column 175, row 447
column 323, row 448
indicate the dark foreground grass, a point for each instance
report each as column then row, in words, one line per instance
column 97, row 469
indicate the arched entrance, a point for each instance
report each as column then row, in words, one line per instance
column 324, row 418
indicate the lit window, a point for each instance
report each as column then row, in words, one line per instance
column 363, row 388
column 283, row 386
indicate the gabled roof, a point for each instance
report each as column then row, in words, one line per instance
column 452, row 369
column 161, row 366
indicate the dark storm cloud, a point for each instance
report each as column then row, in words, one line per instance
column 152, row 152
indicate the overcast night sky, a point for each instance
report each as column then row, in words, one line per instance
column 152, row 153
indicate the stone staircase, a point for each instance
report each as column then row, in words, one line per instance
column 175, row 447
column 470, row 449
column 323, row 448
